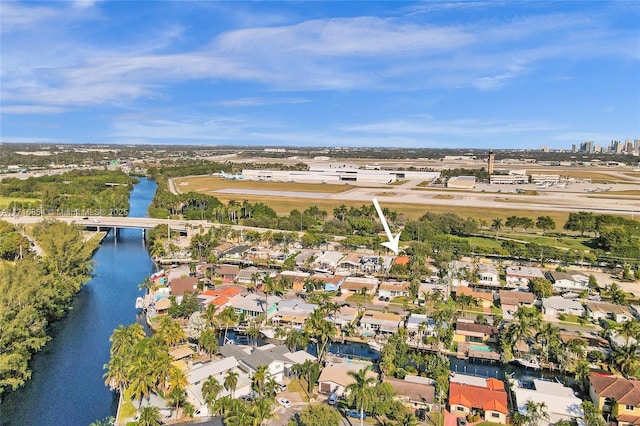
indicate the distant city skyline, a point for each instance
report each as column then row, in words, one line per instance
column 493, row 75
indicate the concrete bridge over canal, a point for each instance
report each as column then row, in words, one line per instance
column 144, row 223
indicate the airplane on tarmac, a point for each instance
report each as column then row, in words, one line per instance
column 231, row 176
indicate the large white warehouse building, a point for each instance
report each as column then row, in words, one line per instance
column 339, row 175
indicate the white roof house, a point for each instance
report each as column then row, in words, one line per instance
column 519, row 276
column 560, row 401
column 556, row 305
column 488, row 274
column 415, row 320
column 328, row 260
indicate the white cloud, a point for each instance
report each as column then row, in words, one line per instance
column 251, row 102
column 31, row 109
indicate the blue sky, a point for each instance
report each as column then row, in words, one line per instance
column 386, row 74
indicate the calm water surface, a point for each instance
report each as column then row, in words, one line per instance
column 67, row 387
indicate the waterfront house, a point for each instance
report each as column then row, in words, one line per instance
column 556, row 305
column 605, row 310
column 232, row 252
column 617, row 397
column 292, row 313
column 226, row 273
column 180, row 286
column 520, row 276
column 374, row 322
column 252, row 275
column 488, row 397
column 393, row 289
column 298, row 278
column 460, row 272
column 560, row 401
column 306, row 257
column 350, row 263
column 420, row 324
column 344, row 317
column 220, row 296
column 467, row 331
column 412, row 394
column 336, row 378
column 218, row 369
column 253, row 304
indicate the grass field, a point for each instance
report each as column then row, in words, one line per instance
column 213, row 183
column 561, row 241
column 5, row 201
column 631, row 192
column 595, row 176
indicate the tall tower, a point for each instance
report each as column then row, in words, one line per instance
column 490, row 162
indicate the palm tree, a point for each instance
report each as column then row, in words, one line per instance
column 116, row 376
column 177, row 379
column 575, row 348
column 536, row 412
column 107, row 421
column 629, row 329
column 211, row 388
column 169, row 331
column 496, row 225
column 176, row 398
column 309, row 370
column 320, row 329
column 124, row 338
column 231, row 381
column 149, row 416
column 269, row 285
column 228, row 317
column 626, row 358
column 581, row 372
column 360, row 391
column 147, row 284
column 548, row 332
column 259, row 378
column 209, row 343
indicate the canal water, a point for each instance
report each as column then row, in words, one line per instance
column 67, row 387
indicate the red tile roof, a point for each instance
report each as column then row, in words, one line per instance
column 401, row 260
column 624, row 391
column 493, row 398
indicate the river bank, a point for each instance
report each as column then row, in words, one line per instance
column 67, row 386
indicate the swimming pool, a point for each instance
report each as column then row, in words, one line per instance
column 479, row 348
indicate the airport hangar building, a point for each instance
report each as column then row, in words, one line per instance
column 340, row 175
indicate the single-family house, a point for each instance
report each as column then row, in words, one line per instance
column 411, row 394
column 374, row 322
column 393, row 289
column 476, row 333
column 293, row 312
column 226, row 273
column 420, row 324
column 486, row 396
column 487, row 275
column 563, row 281
column 434, row 285
column 605, row 310
column 560, row 401
column 360, row 285
column 327, row 261
column 519, row 276
column 297, row 278
column 336, row 378
column 252, row 275
column 484, row 299
column 254, row 304
column 460, row 273
column 199, row 373
column 350, row 263
column 306, row 257
column 233, row 252
column 616, row 396
column 556, row 305
column 511, row 300
column 344, row 317
column 180, row 286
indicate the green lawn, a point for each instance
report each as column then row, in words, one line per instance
column 401, row 300
column 5, row 201
column 360, row 298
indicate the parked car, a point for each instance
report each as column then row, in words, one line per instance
column 282, row 387
column 355, row 414
column 284, row 402
column 462, row 421
column 333, row 399
column 421, row 414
